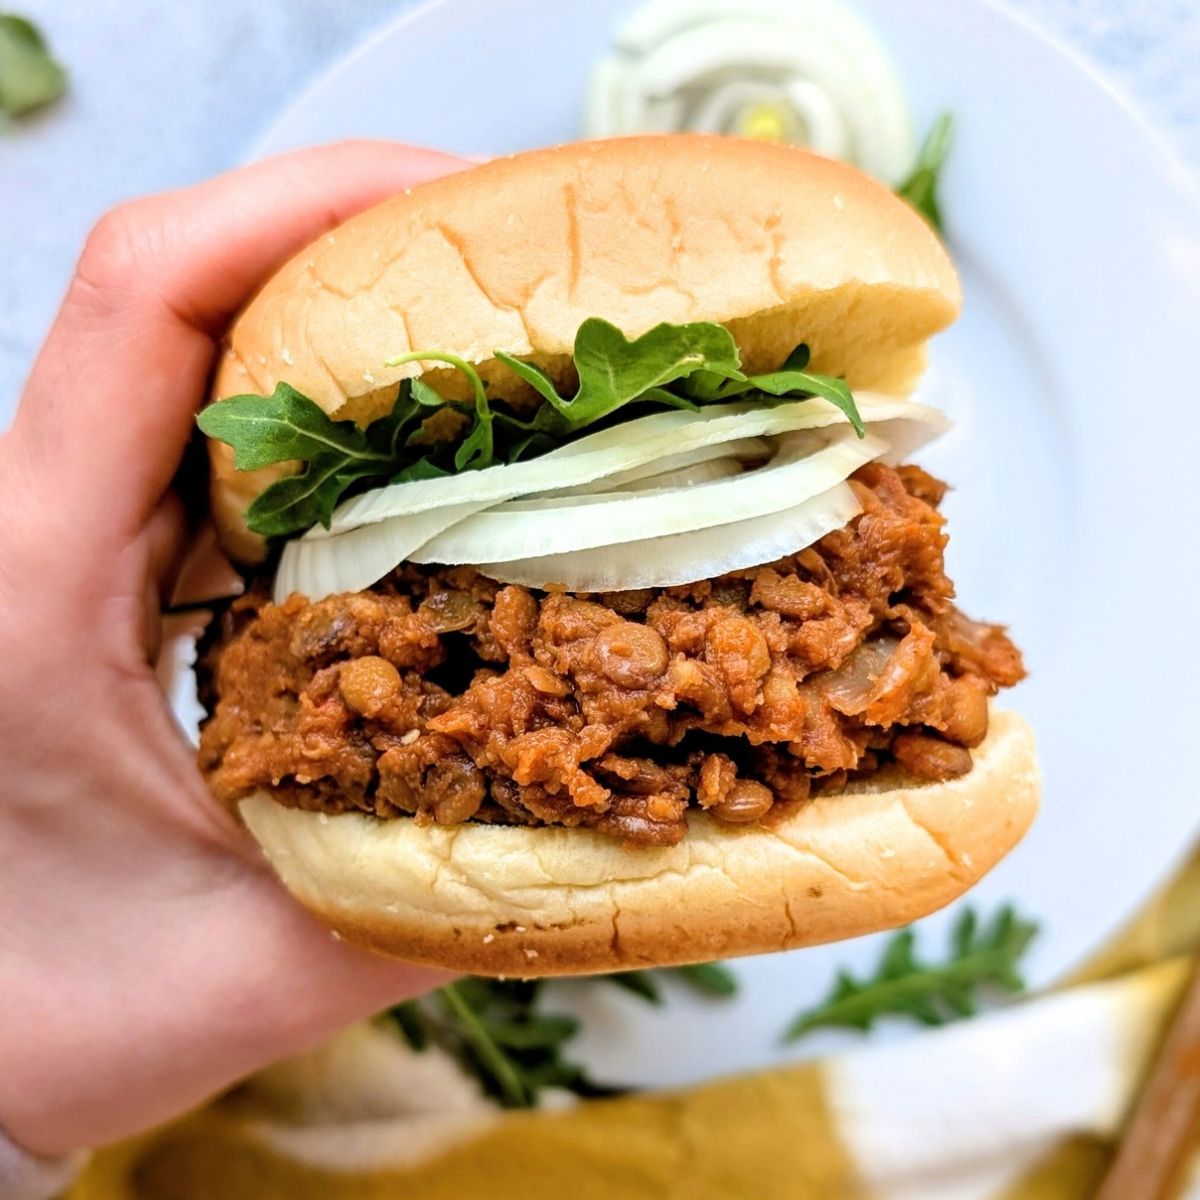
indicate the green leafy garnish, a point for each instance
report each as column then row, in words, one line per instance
column 613, row 370
column 268, row 429
column 712, row 979
column 640, row 983
column 677, row 366
column 982, row 957
column 477, row 448
column 29, row 76
column 790, row 382
column 920, row 189
column 287, row 425
column 497, row 1031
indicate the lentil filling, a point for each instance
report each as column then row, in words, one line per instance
column 442, row 696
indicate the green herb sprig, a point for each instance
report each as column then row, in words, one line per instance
column 497, row 1031
column 676, row 366
column 29, row 75
column 920, row 189
column 708, row 979
column 983, row 957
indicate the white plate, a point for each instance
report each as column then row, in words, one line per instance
column 1071, row 379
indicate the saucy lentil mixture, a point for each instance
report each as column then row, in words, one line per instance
column 441, row 695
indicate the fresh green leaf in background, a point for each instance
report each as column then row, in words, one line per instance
column 29, row 76
column 497, row 1031
column 920, row 189
column 982, row 957
column 676, row 366
column 640, row 983
column 711, row 979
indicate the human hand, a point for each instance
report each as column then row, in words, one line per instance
column 147, row 957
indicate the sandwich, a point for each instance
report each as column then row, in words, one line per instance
column 596, row 616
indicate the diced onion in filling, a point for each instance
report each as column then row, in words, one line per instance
column 686, row 557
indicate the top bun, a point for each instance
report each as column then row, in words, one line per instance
column 779, row 244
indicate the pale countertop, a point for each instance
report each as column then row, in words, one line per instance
column 165, row 94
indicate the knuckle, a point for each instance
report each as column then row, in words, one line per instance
column 109, row 245
column 119, row 251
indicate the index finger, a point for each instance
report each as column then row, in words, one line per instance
column 109, row 406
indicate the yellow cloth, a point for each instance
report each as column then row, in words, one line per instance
column 1020, row 1105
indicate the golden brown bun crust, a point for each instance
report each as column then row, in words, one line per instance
column 780, row 244
column 498, row 900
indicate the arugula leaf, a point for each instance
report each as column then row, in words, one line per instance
column 981, row 958
column 798, row 359
column 283, row 426
column 920, row 189
column 423, row 468
column 535, row 1033
column 613, row 370
column 641, row 983
column 476, row 449
column 792, row 383
column 390, row 433
column 713, row 979
column 497, row 1031
column 502, row 1072
column 298, row 502
column 413, row 1024
column 674, row 366
column 425, row 395
column 29, row 75
column 534, row 376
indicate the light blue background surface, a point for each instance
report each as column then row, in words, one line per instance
column 167, row 93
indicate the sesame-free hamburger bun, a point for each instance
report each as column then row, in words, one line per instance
column 780, row 246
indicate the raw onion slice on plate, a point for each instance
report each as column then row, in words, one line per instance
column 814, row 73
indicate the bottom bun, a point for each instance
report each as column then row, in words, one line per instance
column 507, row 900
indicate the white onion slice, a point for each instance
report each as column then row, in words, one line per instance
column 604, row 454
column 740, row 449
column 369, row 549
column 681, row 477
column 686, row 557
column 815, row 68
column 802, row 467
column 355, row 560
